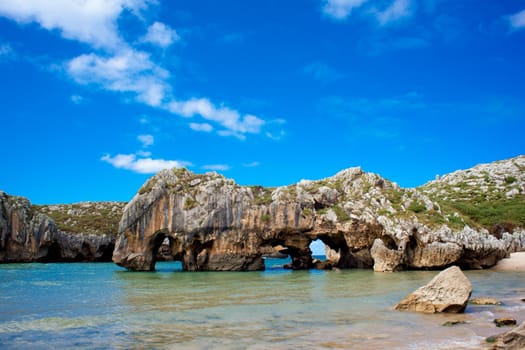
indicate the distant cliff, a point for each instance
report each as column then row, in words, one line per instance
column 212, row 223
column 80, row 232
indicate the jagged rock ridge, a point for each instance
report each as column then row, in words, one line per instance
column 212, row 223
column 28, row 235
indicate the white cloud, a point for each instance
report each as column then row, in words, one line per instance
column 119, row 67
column 90, row 21
column 517, row 20
column 251, row 165
column 161, row 35
column 340, row 9
column 228, row 118
column 205, row 127
column 129, row 71
column 142, row 165
column 216, row 167
column 397, row 10
column 146, row 140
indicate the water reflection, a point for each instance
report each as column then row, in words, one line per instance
column 102, row 306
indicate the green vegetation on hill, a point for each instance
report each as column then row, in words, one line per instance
column 489, row 214
column 88, row 217
column 488, row 195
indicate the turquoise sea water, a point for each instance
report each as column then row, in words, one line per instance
column 101, row 306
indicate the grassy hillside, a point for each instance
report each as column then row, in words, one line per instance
column 85, row 217
column 488, row 195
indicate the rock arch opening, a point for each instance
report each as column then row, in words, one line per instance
column 163, row 251
column 317, row 247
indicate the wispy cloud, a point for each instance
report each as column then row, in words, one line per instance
column 322, row 72
column 233, row 123
column 115, row 65
column 394, row 11
column 129, row 71
column 161, row 35
column 517, row 20
column 6, row 51
column 93, row 22
column 397, row 10
column 204, row 127
column 142, row 165
column 251, row 165
column 340, row 9
column 216, row 167
column 77, row 99
column 146, row 140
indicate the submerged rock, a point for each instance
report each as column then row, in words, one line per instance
column 448, row 292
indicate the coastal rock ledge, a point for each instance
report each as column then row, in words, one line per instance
column 28, row 235
column 210, row 223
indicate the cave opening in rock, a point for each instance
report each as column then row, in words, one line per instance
column 164, row 257
column 276, row 256
column 318, row 249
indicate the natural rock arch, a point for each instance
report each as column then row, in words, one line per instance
column 213, row 224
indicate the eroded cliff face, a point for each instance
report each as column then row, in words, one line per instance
column 26, row 235
column 366, row 221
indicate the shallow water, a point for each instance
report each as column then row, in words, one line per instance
column 101, row 306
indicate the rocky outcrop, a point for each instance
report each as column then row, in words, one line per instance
column 448, row 292
column 511, row 340
column 365, row 221
column 26, row 235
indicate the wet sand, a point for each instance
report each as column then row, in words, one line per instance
column 516, row 262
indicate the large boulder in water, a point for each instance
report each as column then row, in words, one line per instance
column 449, row 292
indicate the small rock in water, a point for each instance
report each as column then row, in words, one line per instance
column 491, row 339
column 504, row 321
column 453, row 323
column 485, row 301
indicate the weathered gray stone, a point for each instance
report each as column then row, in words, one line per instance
column 511, row 340
column 449, row 292
column 27, row 236
column 385, row 259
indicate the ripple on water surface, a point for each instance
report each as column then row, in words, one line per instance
column 102, row 306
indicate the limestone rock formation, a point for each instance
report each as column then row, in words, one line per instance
column 448, row 292
column 511, row 340
column 365, row 221
column 26, row 235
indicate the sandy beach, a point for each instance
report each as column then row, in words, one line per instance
column 516, row 262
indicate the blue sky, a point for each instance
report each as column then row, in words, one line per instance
column 98, row 95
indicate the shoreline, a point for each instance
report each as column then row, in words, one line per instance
column 515, row 263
